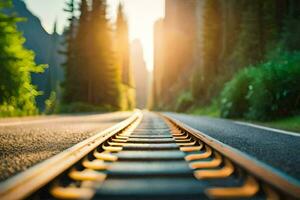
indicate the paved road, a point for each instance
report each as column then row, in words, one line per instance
column 279, row 150
column 26, row 141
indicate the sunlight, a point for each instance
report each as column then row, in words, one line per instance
column 125, row 98
column 141, row 16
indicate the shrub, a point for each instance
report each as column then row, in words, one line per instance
column 212, row 110
column 51, row 103
column 234, row 102
column 17, row 93
column 276, row 89
column 184, row 102
column 268, row 91
column 14, row 108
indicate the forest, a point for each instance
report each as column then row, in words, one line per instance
column 234, row 59
column 97, row 65
column 98, row 76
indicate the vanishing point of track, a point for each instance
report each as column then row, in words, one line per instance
column 150, row 156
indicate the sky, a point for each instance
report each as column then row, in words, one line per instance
column 141, row 16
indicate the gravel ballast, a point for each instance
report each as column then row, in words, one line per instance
column 25, row 142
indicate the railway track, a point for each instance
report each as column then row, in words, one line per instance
column 150, row 156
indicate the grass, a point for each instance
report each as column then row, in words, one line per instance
column 211, row 111
column 289, row 124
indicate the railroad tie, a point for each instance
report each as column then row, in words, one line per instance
column 152, row 156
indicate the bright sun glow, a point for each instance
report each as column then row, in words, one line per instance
column 141, row 16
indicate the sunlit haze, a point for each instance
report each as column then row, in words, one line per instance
column 141, row 16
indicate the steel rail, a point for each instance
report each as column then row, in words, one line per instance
column 281, row 182
column 24, row 184
column 80, row 171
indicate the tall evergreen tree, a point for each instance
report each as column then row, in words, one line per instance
column 92, row 73
column 54, row 63
column 270, row 29
column 70, row 86
column 105, row 88
column 291, row 28
column 82, row 58
column 250, row 46
column 122, row 47
column 17, row 94
column 211, row 48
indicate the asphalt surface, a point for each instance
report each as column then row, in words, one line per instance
column 27, row 141
column 279, row 150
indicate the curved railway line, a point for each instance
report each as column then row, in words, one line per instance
column 151, row 156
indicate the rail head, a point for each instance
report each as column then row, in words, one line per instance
column 261, row 171
column 25, row 183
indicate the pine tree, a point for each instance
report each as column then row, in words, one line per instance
column 291, row 28
column 123, row 59
column 106, row 77
column 250, row 45
column 211, row 48
column 92, row 73
column 82, row 57
column 17, row 94
column 69, row 85
column 271, row 30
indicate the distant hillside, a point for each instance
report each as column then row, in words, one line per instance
column 46, row 48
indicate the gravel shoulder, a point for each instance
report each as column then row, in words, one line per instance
column 282, row 151
column 27, row 141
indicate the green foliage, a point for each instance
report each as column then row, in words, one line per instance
column 184, row 102
column 51, row 103
column 92, row 73
column 290, row 36
column 276, row 89
column 17, row 94
column 198, row 86
column 234, row 102
column 268, row 91
column 212, row 110
column 289, row 123
column 70, row 88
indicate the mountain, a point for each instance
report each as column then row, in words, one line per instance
column 45, row 47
